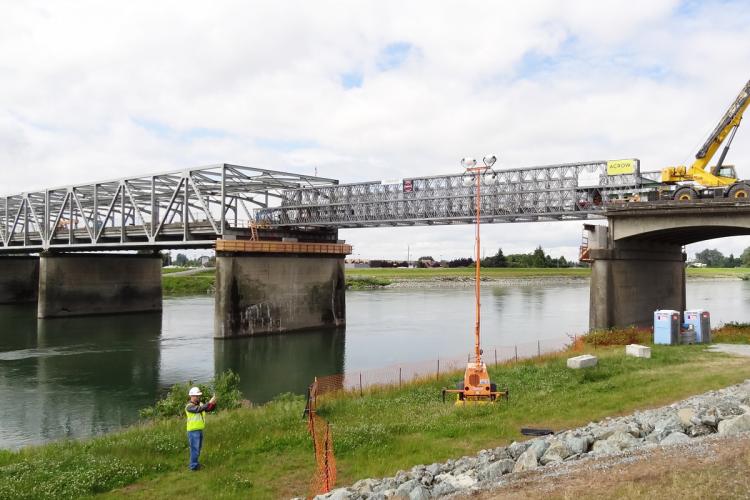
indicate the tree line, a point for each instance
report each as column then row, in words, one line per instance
column 714, row 258
column 537, row 258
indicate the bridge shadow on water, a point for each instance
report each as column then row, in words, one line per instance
column 74, row 377
column 272, row 364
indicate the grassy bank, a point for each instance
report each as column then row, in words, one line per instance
column 468, row 272
column 265, row 452
column 362, row 279
column 194, row 284
column 719, row 272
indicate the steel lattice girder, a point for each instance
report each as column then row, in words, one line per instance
column 555, row 192
column 181, row 208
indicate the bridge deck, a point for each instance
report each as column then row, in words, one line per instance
column 193, row 208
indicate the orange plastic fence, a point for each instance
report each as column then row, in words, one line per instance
column 325, row 473
column 356, row 381
column 320, row 432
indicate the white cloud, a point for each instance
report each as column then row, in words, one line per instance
column 87, row 85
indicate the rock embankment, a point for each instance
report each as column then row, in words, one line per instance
column 725, row 412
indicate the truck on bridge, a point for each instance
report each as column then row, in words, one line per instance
column 699, row 181
column 719, row 180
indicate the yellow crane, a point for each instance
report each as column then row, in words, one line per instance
column 719, row 180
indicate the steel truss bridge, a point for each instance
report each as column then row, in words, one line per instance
column 193, row 208
column 186, row 208
column 568, row 191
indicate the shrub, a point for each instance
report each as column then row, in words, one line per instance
column 733, row 333
column 618, row 336
column 225, row 386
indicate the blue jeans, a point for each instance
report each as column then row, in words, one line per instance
column 195, row 440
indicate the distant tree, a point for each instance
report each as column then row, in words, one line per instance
column 539, row 259
column 462, row 262
column 181, row 260
column 166, row 259
column 426, row 258
column 497, row 260
column 711, row 257
column 745, row 257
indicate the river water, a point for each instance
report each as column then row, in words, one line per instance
column 78, row 377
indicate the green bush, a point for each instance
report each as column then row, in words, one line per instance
column 618, row 336
column 226, row 387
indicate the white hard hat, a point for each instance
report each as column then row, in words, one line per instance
column 194, row 391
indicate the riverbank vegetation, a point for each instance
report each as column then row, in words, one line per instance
column 203, row 283
column 265, row 452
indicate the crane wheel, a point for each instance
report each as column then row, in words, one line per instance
column 740, row 191
column 685, row 194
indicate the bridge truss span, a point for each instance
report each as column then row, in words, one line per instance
column 556, row 192
column 185, row 208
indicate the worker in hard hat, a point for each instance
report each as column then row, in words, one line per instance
column 196, row 422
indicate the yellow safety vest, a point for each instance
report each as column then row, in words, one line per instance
column 196, row 421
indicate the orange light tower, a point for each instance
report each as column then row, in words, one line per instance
column 476, row 386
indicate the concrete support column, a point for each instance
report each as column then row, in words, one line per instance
column 19, row 279
column 87, row 284
column 632, row 280
column 277, row 287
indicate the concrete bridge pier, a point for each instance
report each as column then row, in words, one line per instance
column 267, row 287
column 86, row 284
column 630, row 280
column 19, row 279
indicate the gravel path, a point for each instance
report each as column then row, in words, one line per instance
column 736, row 349
column 721, row 413
column 190, row 272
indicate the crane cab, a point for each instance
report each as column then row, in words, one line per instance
column 725, row 171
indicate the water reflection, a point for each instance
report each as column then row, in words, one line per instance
column 273, row 364
column 75, row 377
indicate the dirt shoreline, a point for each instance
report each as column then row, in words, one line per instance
column 465, row 282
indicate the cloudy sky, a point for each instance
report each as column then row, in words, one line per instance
column 366, row 91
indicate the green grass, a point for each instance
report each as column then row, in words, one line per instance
column 265, row 452
column 194, row 284
column 170, row 270
column 718, row 272
column 365, row 282
column 363, row 279
column 468, row 272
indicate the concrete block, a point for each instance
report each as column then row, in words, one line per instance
column 583, row 361
column 638, row 351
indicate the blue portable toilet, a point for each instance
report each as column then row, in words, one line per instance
column 666, row 327
column 701, row 321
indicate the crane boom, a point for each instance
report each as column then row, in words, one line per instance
column 730, row 120
column 698, row 181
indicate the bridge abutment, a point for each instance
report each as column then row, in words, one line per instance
column 267, row 287
column 88, row 284
column 633, row 279
column 19, row 279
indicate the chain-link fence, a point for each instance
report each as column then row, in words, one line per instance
column 399, row 374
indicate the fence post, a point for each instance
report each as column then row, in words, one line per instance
column 538, row 349
column 399, row 377
column 438, row 369
column 495, row 357
column 515, row 348
column 360, row 385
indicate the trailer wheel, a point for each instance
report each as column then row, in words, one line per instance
column 685, row 194
column 740, row 190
